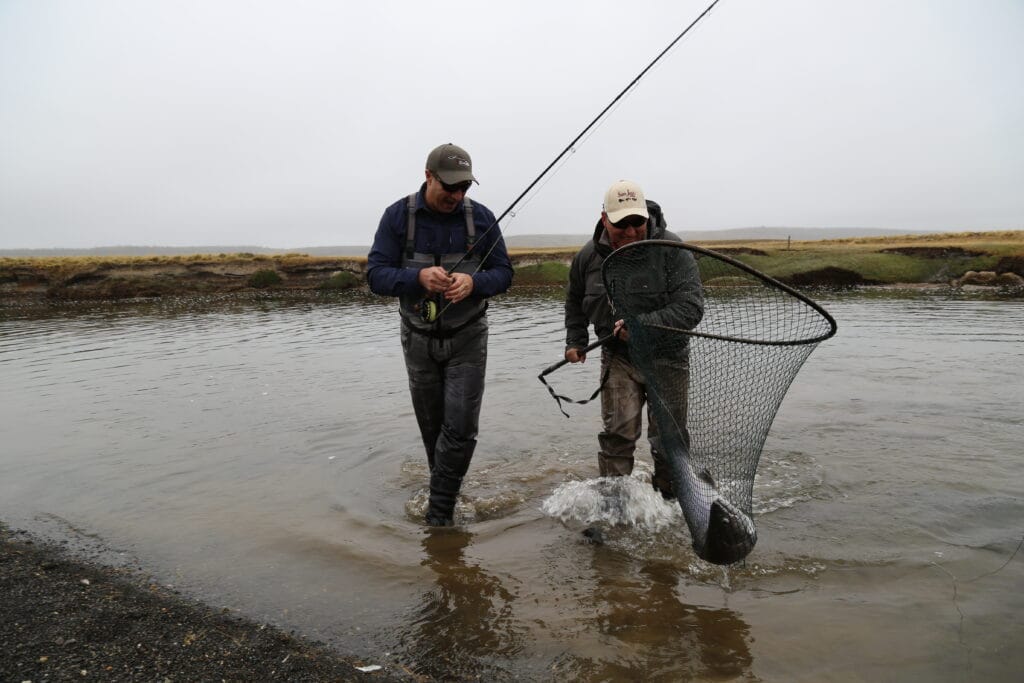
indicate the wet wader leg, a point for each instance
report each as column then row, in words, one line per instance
column 622, row 402
column 464, row 373
column 678, row 386
column 426, row 386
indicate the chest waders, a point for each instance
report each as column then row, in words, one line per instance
column 423, row 314
column 445, row 356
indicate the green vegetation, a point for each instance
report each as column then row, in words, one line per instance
column 551, row 272
column 264, row 278
column 341, row 280
column 867, row 267
column 876, row 261
column 936, row 258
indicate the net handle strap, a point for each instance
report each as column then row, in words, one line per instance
column 559, row 397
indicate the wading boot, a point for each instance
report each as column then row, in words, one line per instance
column 438, row 521
column 441, row 505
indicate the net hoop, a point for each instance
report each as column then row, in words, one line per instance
column 833, row 327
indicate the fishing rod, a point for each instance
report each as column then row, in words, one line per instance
column 572, row 145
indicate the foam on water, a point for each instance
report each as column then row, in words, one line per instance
column 615, row 501
column 469, row 509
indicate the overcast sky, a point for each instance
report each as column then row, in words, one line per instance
column 290, row 124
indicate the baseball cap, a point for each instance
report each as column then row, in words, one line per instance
column 451, row 164
column 624, row 198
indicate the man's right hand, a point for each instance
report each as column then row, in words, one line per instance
column 435, row 279
column 575, row 355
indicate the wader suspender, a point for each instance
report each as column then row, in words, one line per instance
column 410, row 230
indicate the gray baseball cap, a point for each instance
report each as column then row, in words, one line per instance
column 451, row 164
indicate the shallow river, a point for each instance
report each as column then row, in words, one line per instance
column 262, row 455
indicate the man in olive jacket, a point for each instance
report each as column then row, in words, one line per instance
column 628, row 217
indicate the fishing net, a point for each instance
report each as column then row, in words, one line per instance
column 713, row 388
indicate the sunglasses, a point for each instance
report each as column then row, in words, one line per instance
column 457, row 187
column 630, row 222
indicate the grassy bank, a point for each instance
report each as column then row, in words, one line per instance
column 104, row 277
column 933, row 259
column 938, row 258
column 914, row 259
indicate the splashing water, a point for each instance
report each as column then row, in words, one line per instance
column 613, row 501
column 468, row 509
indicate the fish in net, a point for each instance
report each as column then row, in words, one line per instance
column 714, row 389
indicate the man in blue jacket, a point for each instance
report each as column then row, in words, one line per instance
column 443, row 256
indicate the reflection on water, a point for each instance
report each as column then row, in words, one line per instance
column 262, row 454
column 652, row 634
column 647, row 628
column 464, row 625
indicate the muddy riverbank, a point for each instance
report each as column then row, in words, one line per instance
column 68, row 618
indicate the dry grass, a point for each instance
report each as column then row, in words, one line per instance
column 88, row 262
column 1001, row 240
column 933, row 258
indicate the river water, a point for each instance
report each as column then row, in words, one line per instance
column 261, row 454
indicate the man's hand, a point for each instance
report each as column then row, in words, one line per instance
column 620, row 330
column 435, row 279
column 575, row 355
column 461, row 286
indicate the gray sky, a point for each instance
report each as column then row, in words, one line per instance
column 289, row 124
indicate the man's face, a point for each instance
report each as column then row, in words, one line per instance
column 628, row 230
column 444, row 198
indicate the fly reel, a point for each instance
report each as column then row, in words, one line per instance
column 429, row 310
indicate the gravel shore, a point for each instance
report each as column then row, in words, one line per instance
column 63, row 618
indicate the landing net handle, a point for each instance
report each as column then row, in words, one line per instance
column 551, row 368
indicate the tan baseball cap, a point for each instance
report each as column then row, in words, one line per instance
column 624, row 198
column 451, row 164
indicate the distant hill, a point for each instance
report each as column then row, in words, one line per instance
column 133, row 250
column 513, row 241
column 793, row 233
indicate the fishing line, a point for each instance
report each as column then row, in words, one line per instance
column 571, row 147
column 537, row 190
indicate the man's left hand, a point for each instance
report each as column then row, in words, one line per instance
column 460, row 288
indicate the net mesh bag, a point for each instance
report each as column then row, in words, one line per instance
column 718, row 344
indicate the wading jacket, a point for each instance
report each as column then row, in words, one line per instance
column 679, row 304
column 393, row 263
